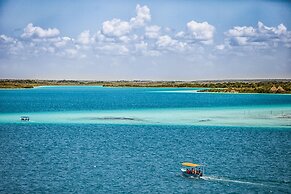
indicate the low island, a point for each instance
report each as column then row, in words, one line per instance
column 230, row 86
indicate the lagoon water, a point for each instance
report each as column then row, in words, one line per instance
column 133, row 140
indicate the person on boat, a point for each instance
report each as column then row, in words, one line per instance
column 198, row 171
column 188, row 171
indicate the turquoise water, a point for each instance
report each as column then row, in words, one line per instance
column 132, row 140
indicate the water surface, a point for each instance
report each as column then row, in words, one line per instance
column 132, row 140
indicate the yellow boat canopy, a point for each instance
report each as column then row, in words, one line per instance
column 188, row 164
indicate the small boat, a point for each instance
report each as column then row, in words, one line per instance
column 192, row 170
column 24, row 118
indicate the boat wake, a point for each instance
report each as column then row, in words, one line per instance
column 282, row 186
column 222, row 179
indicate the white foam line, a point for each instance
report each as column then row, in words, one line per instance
column 229, row 180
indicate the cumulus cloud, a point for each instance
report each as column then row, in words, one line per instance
column 138, row 36
column 165, row 41
column 142, row 46
column 168, row 43
column 242, row 31
column 37, row 42
column 115, row 27
column 260, row 37
column 62, row 41
column 84, row 37
column 201, row 31
column 113, row 49
column 9, row 45
column 152, row 31
column 38, row 32
column 116, row 37
column 197, row 32
column 143, row 15
column 98, row 36
column 180, row 34
column 281, row 29
column 6, row 39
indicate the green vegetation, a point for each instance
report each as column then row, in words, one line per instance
column 8, row 83
column 267, row 86
column 240, row 86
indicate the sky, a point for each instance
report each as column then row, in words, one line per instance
column 145, row 40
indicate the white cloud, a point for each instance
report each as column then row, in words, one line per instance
column 165, row 41
column 124, row 39
column 114, row 49
column 63, row 41
column 242, row 31
column 152, row 31
column 201, row 31
column 9, row 45
column 38, row 32
column 141, row 46
column 143, row 15
column 196, row 33
column 281, row 29
column 180, row 34
column 260, row 37
column 84, row 37
column 115, row 27
column 48, row 49
column 138, row 37
column 116, row 37
column 39, row 42
column 6, row 39
column 98, row 37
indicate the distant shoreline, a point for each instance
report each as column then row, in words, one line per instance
column 282, row 86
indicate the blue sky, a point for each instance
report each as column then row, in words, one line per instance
column 158, row 40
